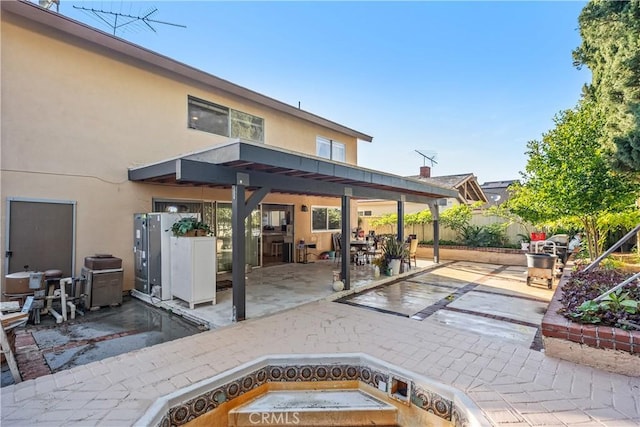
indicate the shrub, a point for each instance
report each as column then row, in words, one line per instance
column 496, row 235
column 442, row 242
column 492, row 236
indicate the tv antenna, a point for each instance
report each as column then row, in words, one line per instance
column 428, row 155
column 117, row 20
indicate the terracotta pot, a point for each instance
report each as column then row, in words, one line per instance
column 195, row 233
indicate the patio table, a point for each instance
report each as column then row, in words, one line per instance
column 360, row 247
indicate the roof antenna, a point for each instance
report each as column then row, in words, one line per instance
column 430, row 155
column 111, row 18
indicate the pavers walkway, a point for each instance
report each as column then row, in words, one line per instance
column 513, row 384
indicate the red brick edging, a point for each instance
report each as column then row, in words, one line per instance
column 555, row 325
column 30, row 360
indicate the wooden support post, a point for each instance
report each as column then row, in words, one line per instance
column 8, row 354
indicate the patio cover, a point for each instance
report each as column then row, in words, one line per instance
column 263, row 169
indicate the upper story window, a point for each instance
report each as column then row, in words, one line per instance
column 209, row 117
column 247, row 126
column 330, row 149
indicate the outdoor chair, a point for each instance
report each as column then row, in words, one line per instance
column 413, row 248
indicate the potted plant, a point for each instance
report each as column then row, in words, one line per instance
column 381, row 264
column 394, row 250
column 190, row 226
column 525, row 241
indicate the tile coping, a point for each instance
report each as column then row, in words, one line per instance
column 192, row 401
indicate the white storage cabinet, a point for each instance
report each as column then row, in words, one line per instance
column 193, row 269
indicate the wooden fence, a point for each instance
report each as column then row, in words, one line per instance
column 424, row 232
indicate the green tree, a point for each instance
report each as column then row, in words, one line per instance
column 457, row 218
column 424, row 218
column 419, row 218
column 568, row 175
column 411, row 220
column 610, row 48
column 502, row 211
column 620, row 222
column 390, row 220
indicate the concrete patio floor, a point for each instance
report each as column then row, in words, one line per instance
column 279, row 287
column 141, row 322
column 513, row 383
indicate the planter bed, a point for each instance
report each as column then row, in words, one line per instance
column 604, row 347
column 502, row 256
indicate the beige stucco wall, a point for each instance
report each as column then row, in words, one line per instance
column 383, row 207
column 486, row 257
column 74, row 119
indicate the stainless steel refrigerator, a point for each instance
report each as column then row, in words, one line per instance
column 152, row 252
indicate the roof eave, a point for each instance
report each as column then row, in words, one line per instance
column 89, row 34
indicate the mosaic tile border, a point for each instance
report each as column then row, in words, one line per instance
column 424, row 399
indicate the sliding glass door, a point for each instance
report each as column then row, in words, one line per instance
column 223, row 231
column 218, row 216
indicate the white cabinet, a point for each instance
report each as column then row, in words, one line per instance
column 193, row 269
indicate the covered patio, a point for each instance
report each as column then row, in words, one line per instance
column 251, row 171
column 277, row 288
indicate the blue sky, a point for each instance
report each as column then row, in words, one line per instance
column 470, row 81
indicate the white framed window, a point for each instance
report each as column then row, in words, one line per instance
column 325, row 218
column 330, row 149
column 220, row 120
column 364, row 213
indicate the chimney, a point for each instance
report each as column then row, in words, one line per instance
column 425, row 172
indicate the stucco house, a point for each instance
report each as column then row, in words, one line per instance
column 96, row 129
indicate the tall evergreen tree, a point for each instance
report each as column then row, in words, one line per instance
column 610, row 48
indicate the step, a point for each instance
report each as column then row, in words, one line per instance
column 314, row 408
